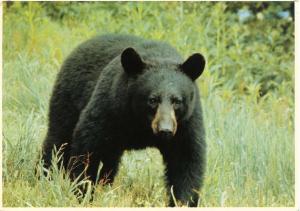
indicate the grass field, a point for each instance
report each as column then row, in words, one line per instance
column 250, row 135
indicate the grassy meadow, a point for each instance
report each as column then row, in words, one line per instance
column 247, row 93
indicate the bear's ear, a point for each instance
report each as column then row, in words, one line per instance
column 131, row 61
column 193, row 66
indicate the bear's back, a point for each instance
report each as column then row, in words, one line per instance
column 94, row 54
column 82, row 68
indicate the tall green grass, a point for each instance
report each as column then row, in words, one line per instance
column 250, row 138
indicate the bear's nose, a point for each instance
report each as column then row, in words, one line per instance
column 165, row 128
column 165, row 134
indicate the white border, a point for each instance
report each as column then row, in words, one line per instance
column 296, row 117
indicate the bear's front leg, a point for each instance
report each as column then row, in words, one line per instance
column 185, row 165
column 85, row 150
column 93, row 142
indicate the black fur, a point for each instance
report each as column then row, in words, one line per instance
column 101, row 106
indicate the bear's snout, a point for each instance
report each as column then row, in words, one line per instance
column 164, row 123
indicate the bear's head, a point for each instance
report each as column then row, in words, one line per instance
column 162, row 92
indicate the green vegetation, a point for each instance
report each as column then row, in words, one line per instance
column 247, row 95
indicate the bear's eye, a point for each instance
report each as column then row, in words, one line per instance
column 153, row 101
column 176, row 102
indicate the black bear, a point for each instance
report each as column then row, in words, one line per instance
column 121, row 92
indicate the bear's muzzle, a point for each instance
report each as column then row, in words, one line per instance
column 164, row 123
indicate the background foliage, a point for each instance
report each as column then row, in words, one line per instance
column 247, row 93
